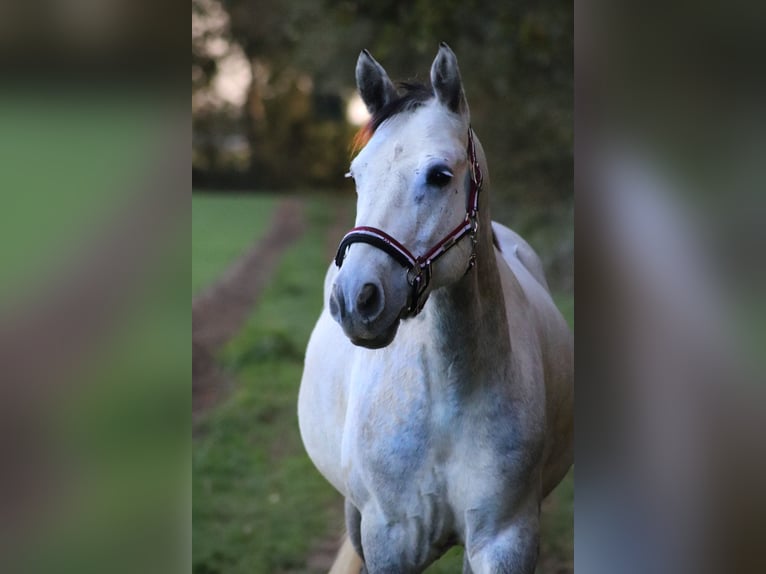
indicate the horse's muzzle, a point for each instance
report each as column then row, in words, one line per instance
column 366, row 303
column 359, row 310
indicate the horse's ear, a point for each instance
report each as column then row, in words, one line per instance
column 373, row 83
column 445, row 79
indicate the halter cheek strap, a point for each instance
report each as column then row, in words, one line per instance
column 419, row 268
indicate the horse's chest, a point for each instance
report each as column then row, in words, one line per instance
column 399, row 448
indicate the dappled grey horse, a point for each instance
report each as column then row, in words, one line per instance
column 437, row 390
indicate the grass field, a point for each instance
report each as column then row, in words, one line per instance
column 69, row 167
column 259, row 504
column 223, row 226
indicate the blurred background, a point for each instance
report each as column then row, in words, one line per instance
column 274, row 111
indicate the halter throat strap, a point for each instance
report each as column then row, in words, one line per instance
column 419, row 267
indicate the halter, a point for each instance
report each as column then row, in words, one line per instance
column 419, row 268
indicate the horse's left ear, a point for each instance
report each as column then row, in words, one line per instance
column 445, row 79
column 373, row 83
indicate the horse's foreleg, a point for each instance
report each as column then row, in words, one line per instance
column 466, row 564
column 354, row 528
column 512, row 549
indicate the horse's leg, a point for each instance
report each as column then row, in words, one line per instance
column 466, row 564
column 395, row 547
column 354, row 528
column 511, row 549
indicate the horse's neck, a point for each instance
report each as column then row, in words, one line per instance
column 469, row 316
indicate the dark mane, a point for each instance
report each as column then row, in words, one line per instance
column 411, row 96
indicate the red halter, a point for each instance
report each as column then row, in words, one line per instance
column 419, row 268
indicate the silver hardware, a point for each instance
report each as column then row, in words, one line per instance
column 417, row 277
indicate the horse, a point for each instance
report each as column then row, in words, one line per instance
column 437, row 389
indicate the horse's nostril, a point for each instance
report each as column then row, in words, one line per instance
column 369, row 301
column 337, row 308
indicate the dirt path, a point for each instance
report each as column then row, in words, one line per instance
column 221, row 310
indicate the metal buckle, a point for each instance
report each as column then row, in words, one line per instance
column 417, row 277
column 471, row 261
column 474, row 240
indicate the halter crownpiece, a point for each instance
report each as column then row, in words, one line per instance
column 419, row 268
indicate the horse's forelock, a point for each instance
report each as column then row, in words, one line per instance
column 361, row 138
column 411, row 96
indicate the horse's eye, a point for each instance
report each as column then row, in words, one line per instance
column 439, row 177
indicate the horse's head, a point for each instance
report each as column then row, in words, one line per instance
column 417, row 187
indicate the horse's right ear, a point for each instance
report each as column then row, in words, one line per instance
column 373, row 83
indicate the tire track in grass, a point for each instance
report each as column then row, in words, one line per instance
column 220, row 311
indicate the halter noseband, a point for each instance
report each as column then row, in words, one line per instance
column 419, row 268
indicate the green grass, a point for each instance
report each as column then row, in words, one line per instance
column 258, row 501
column 70, row 165
column 223, row 227
column 557, row 529
column 259, row 504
